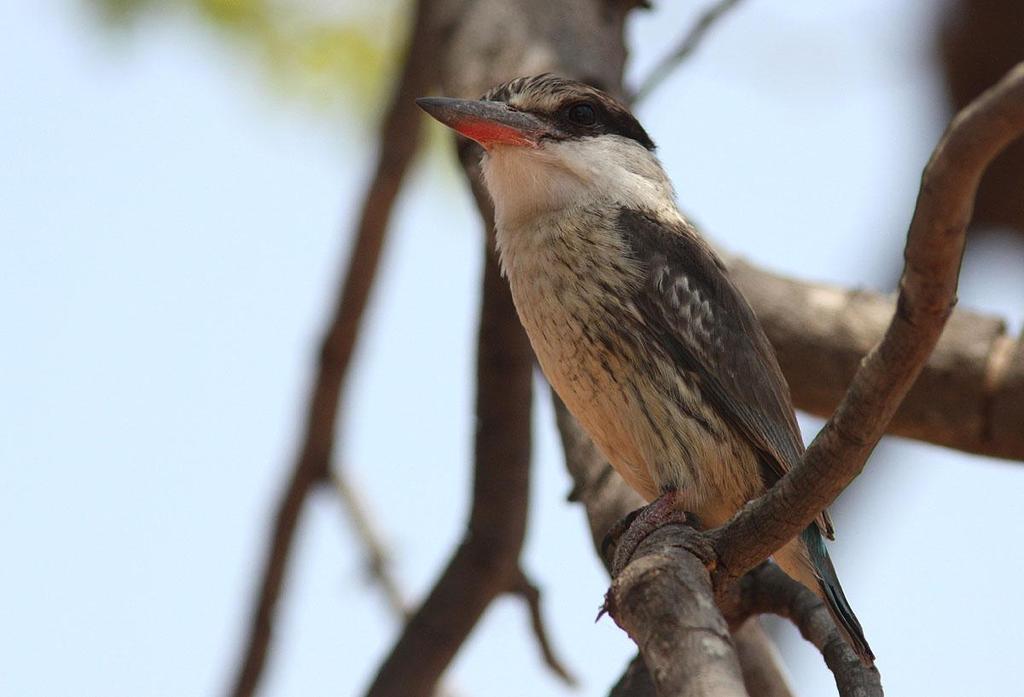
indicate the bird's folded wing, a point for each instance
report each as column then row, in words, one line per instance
column 703, row 323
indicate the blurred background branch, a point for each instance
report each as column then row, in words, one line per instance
column 979, row 41
column 690, row 42
column 398, row 142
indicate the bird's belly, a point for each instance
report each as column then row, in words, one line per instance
column 604, row 411
column 646, row 416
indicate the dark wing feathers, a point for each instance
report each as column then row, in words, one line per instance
column 708, row 328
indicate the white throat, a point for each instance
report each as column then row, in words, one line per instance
column 609, row 170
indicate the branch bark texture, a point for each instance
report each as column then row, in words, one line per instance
column 663, row 599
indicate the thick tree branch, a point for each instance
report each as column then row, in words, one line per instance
column 927, row 294
column 663, row 599
column 969, row 396
column 398, row 142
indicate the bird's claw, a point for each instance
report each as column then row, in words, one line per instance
column 607, row 606
column 629, row 532
column 615, row 533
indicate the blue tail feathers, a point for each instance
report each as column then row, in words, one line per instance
column 833, row 594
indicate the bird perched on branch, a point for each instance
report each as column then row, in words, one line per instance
column 632, row 315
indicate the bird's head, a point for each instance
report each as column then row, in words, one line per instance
column 553, row 144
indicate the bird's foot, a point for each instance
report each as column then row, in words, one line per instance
column 615, row 533
column 626, row 535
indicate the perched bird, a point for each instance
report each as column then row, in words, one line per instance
column 632, row 315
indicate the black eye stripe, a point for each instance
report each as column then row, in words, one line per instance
column 581, row 119
column 553, row 97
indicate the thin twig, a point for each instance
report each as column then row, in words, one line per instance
column 399, row 141
column 691, row 41
column 378, row 562
column 530, row 593
column 933, row 253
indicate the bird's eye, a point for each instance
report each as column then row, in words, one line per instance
column 583, row 114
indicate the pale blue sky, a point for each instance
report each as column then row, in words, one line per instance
column 170, row 232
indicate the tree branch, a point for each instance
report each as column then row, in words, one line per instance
column 378, row 562
column 606, row 498
column 927, row 294
column 664, row 600
column 635, row 681
column 767, row 589
column 530, row 593
column 763, row 674
column 977, row 42
column 969, row 396
column 399, row 140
